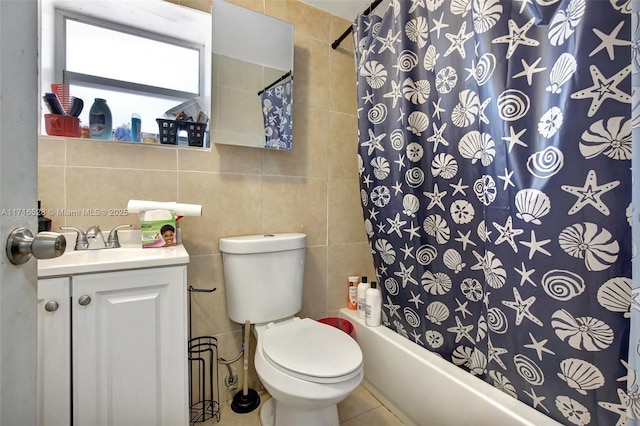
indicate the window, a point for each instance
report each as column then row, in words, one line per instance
column 135, row 69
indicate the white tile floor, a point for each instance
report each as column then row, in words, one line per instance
column 359, row 409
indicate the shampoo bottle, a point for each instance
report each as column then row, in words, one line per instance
column 373, row 306
column 100, row 120
column 362, row 290
column 352, row 297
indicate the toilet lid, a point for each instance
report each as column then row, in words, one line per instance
column 312, row 351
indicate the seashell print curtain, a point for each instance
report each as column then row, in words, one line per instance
column 496, row 183
column 633, row 382
column 277, row 102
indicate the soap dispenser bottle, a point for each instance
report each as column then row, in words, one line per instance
column 373, row 306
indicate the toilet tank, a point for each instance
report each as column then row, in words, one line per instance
column 263, row 276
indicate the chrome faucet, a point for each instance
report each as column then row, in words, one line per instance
column 93, row 239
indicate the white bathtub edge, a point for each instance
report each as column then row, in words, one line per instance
column 433, row 384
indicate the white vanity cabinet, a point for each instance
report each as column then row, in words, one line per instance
column 114, row 352
column 54, row 352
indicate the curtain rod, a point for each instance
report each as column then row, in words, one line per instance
column 344, row 35
column 285, row 75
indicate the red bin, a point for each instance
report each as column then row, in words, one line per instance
column 341, row 324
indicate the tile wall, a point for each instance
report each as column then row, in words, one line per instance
column 313, row 189
column 236, row 110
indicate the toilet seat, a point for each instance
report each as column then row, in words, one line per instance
column 312, row 351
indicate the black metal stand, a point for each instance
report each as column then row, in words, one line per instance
column 204, row 394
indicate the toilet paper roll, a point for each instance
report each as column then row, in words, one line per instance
column 180, row 209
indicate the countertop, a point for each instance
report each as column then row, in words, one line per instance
column 130, row 255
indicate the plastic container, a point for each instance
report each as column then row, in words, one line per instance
column 362, row 297
column 62, row 125
column 352, row 295
column 341, row 324
column 195, row 133
column 373, row 306
column 149, row 137
column 169, row 130
column 100, row 120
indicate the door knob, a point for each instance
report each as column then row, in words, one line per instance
column 21, row 245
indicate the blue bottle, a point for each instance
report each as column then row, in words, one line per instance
column 135, row 128
column 100, row 120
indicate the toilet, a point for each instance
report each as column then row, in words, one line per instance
column 308, row 367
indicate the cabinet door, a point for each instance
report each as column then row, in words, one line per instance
column 130, row 348
column 54, row 352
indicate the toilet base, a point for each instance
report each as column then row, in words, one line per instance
column 274, row 414
column 268, row 413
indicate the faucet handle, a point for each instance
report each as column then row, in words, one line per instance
column 112, row 239
column 81, row 240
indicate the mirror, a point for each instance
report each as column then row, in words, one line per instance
column 131, row 70
column 251, row 53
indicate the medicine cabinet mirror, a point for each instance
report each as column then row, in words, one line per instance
column 251, row 52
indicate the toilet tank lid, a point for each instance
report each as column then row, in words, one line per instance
column 262, row 243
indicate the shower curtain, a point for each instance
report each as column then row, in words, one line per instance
column 495, row 170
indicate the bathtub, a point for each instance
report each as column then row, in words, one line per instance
column 421, row 388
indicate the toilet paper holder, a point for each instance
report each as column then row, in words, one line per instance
column 204, row 394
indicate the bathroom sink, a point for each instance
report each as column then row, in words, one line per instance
column 130, row 255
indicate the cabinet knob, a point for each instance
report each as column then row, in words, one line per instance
column 84, row 300
column 51, row 306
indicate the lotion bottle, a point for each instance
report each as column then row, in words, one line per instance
column 352, row 296
column 362, row 290
column 373, row 308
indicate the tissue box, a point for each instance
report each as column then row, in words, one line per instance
column 158, row 228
